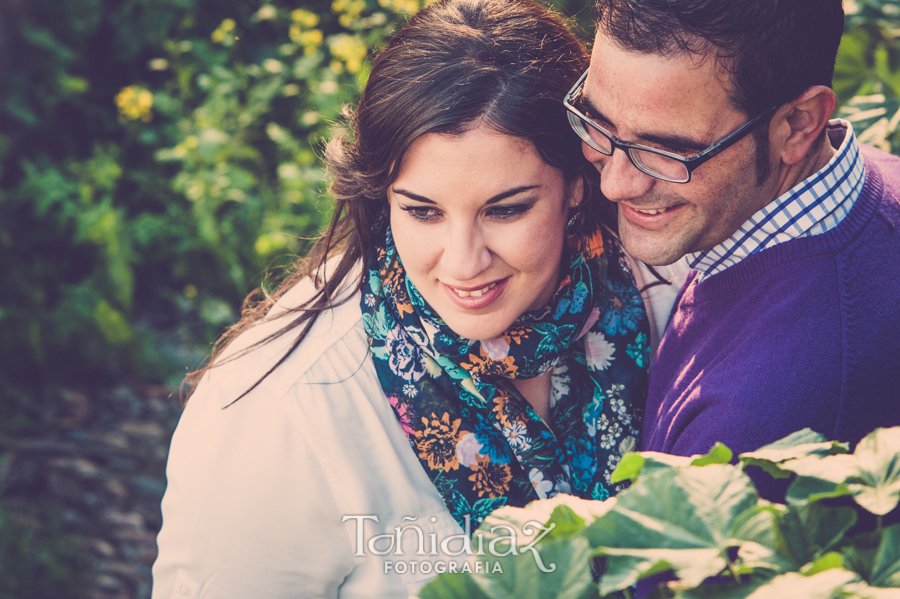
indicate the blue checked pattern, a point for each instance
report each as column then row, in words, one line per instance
column 813, row 206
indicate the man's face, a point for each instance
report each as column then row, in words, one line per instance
column 679, row 104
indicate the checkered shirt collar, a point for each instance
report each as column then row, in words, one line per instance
column 813, row 206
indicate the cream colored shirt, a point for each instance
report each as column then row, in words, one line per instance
column 277, row 495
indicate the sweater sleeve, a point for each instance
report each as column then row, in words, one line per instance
column 248, row 511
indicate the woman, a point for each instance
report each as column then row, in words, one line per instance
column 473, row 339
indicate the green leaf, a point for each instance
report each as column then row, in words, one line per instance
column 757, row 530
column 644, row 463
column 724, row 588
column 851, row 67
column 826, row 562
column 824, row 585
column 526, row 521
column 885, row 570
column 112, row 324
column 537, row 550
column 682, row 518
column 719, row 454
column 875, row 114
column 860, row 590
column 807, row 490
column 522, row 577
column 624, row 567
column 565, row 523
column 629, row 468
column 871, row 474
column 654, row 462
column 878, row 456
column 876, row 556
column 806, row 532
column 452, row 586
column 803, row 443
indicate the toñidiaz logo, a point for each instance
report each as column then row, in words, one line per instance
column 409, row 549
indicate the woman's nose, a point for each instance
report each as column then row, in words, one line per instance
column 466, row 254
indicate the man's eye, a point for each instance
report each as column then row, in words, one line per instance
column 422, row 213
column 683, row 152
column 594, row 118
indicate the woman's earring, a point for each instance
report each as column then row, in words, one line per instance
column 574, row 224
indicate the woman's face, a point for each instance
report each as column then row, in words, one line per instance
column 479, row 220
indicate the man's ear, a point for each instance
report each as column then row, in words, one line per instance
column 800, row 123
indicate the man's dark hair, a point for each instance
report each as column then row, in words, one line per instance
column 774, row 50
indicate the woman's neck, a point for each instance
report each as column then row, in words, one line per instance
column 537, row 392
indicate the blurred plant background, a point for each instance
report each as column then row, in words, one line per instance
column 160, row 158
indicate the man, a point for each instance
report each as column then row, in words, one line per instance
column 709, row 123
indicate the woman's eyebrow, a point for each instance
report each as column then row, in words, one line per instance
column 493, row 200
column 668, row 140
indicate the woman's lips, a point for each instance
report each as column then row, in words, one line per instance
column 651, row 218
column 475, row 298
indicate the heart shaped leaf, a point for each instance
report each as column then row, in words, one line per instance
column 801, row 444
column 871, row 474
column 682, row 519
column 806, row 532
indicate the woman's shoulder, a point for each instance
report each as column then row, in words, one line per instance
column 336, row 340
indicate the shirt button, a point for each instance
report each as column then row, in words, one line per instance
column 184, row 590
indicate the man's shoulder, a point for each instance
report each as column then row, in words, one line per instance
column 878, row 155
column 885, row 168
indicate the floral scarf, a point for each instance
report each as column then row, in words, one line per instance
column 481, row 443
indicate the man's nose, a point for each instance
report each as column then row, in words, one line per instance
column 620, row 180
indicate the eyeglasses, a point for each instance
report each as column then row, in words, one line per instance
column 656, row 163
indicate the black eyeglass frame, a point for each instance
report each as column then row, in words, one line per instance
column 690, row 164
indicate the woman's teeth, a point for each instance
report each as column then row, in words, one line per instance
column 652, row 210
column 476, row 293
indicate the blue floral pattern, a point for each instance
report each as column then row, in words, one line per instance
column 479, row 440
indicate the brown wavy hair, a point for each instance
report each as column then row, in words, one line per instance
column 455, row 65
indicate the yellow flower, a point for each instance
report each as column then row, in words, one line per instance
column 225, row 32
column 302, row 31
column 407, row 6
column 348, row 11
column 304, row 18
column 134, row 103
column 266, row 12
column 350, row 49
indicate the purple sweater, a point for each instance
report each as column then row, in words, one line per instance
column 803, row 334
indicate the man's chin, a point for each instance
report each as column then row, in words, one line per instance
column 655, row 250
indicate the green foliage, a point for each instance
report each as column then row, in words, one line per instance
column 867, row 73
column 38, row 561
column 535, row 562
column 702, row 523
column 159, row 157
column 871, row 475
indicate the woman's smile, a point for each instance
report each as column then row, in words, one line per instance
column 475, row 298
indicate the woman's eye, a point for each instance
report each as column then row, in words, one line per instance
column 422, row 213
column 508, row 212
